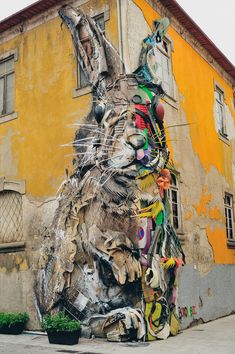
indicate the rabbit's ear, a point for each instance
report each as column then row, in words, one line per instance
column 97, row 57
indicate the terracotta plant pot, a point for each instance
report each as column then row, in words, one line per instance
column 63, row 337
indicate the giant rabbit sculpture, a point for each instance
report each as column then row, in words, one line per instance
column 110, row 257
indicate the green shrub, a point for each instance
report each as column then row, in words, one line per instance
column 59, row 322
column 10, row 318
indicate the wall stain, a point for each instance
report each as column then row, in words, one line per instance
column 13, row 262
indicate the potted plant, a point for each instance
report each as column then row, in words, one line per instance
column 61, row 329
column 13, row 323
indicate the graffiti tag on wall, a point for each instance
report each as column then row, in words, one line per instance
column 187, row 311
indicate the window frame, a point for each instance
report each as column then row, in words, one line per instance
column 4, row 76
column 19, row 187
column 222, row 130
column 229, row 207
column 168, row 55
column 81, row 89
column 7, row 116
column 82, row 82
column 175, row 188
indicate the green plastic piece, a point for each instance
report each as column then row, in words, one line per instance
column 146, row 145
column 147, row 91
column 159, row 219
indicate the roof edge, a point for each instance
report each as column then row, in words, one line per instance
column 184, row 19
column 172, row 5
column 26, row 13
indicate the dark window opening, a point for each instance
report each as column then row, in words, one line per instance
column 11, row 216
column 174, row 200
column 82, row 81
column 7, row 86
column 229, row 217
column 220, row 114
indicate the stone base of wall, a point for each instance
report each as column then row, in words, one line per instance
column 16, row 295
column 203, row 298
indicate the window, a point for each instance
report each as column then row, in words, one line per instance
column 159, row 62
column 7, row 85
column 219, row 112
column 99, row 19
column 174, row 200
column 229, row 217
column 11, row 215
column 11, row 219
column 164, row 66
column 81, row 78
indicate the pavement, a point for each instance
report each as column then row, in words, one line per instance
column 216, row 337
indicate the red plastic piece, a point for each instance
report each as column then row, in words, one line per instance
column 139, row 121
column 160, row 111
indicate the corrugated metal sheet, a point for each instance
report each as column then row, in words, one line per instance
column 171, row 5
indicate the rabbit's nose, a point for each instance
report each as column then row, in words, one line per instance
column 135, row 137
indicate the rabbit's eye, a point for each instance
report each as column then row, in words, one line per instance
column 137, row 99
column 99, row 112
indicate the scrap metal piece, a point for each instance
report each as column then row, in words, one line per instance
column 161, row 27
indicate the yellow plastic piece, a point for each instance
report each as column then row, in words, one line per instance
column 174, row 324
column 169, row 264
column 152, row 210
column 155, row 318
column 147, row 181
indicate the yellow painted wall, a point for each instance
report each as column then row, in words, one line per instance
column 195, row 81
column 45, row 77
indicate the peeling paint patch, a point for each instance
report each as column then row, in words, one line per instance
column 201, row 207
column 188, row 215
column 230, row 122
column 217, row 238
column 13, row 262
column 214, row 213
column 21, row 262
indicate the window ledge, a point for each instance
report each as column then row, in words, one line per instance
column 171, row 101
column 17, row 186
column 231, row 243
column 81, row 91
column 13, row 52
column 181, row 236
column 180, row 232
column 12, row 247
column 7, row 117
column 224, row 139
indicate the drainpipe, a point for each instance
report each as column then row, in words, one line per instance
column 120, row 33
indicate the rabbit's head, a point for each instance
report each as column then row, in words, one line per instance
column 124, row 135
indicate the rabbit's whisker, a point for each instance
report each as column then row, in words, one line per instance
column 98, row 145
column 84, row 124
column 109, row 158
column 80, row 153
column 109, row 177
